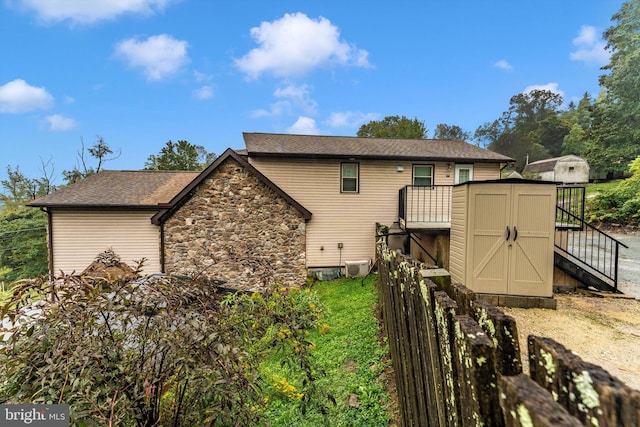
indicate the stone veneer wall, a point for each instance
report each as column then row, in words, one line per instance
column 237, row 229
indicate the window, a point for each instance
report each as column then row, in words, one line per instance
column 463, row 173
column 349, row 178
column 423, row 175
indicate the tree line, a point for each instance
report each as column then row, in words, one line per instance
column 605, row 130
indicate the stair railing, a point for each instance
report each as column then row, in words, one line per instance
column 587, row 246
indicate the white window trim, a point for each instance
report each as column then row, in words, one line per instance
column 459, row 167
column 357, row 178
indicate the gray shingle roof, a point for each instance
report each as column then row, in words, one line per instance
column 547, row 165
column 136, row 189
column 285, row 145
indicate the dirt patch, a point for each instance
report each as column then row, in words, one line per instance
column 603, row 331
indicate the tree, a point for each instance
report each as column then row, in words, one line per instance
column 579, row 121
column 531, row 129
column 180, row 156
column 394, row 127
column 99, row 151
column 551, row 134
column 23, row 241
column 23, row 244
column 575, row 141
column 615, row 135
column 444, row 131
column 16, row 188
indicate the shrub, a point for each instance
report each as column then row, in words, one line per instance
column 154, row 351
column 620, row 204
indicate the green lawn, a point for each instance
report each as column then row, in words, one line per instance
column 347, row 349
column 593, row 190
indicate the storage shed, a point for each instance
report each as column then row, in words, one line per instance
column 502, row 236
column 566, row 169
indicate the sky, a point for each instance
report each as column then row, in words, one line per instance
column 139, row 73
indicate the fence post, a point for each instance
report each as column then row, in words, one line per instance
column 445, row 311
column 501, row 329
column 477, row 375
column 587, row 391
column 429, row 337
column 525, row 403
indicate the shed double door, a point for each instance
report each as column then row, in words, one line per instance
column 511, row 234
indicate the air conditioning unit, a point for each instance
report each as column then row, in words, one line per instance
column 356, row 268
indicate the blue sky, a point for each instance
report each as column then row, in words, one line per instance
column 142, row 72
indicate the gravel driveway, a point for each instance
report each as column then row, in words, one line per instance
column 604, row 331
column 629, row 263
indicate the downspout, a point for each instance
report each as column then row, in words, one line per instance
column 50, row 247
column 162, row 269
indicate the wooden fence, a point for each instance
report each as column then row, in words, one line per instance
column 457, row 362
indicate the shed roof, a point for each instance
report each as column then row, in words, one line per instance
column 285, row 145
column 548, row 165
column 117, row 189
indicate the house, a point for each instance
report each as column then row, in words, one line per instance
column 111, row 209
column 229, row 223
column 351, row 183
column 568, row 169
column 286, row 205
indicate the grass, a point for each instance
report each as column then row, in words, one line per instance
column 592, row 190
column 347, row 349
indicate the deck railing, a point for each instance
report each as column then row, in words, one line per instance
column 425, row 204
column 432, row 204
column 571, row 199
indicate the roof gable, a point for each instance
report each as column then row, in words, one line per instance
column 186, row 193
column 117, row 189
column 309, row 146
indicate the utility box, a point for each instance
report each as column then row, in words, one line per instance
column 357, row 268
column 502, row 236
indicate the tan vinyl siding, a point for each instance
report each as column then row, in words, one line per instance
column 486, row 171
column 342, row 217
column 80, row 235
column 457, row 244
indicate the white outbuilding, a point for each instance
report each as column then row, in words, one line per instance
column 568, row 169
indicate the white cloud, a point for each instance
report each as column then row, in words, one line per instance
column 18, row 96
column 294, row 97
column 90, row 11
column 158, row 56
column 60, row 123
column 202, row 77
column 350, row 119
column 296, row 44
column 304, row 126
column 276, row 109
column 503, row 65
column 299, row 96
column 204, row 92
column 589, row 47
column 551, row 87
